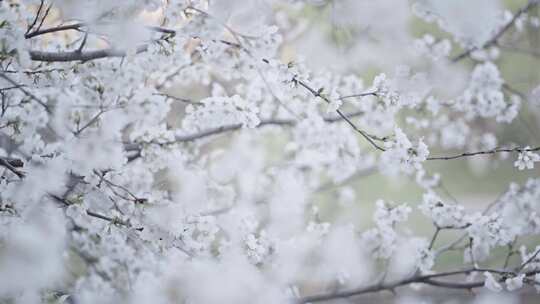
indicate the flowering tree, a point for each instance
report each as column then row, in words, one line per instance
column 172, row 151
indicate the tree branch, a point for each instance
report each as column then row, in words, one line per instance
column 343, row 116
column 97, row 215
column 38, row 12
column 494, row 40
column 420, row 279
column 493, row 151
column 10, row 164
column 524, row 264
column 81, row 56
column 78, row 26
column 27, row 93
column 223, row 129
column 75, row 26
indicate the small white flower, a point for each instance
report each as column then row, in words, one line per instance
column 526, row 159
column 515, row 282
column 442, row 214
column 491, row 283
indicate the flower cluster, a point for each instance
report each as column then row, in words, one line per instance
column 221, row 111
column 526, row 159
column 402, row 155
column 443, row 214
column 484, row 96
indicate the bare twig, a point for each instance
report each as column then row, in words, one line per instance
column 45, row 16
column 94, row 214
column 263, row 123
column 75, row 26
column 89, row 123
column 510, row 253
column 493, row 151
column 524, row 264
column 78, row 26
column 343, row 116
column 495, row 39
column 434, row 237
column 26, row 92
column 419, row 279
column 36, row 17
column 7, row 163
column 374, row 93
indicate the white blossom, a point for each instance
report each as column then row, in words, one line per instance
column 526, row 159
column 401, row 155
column 194, row 151
column 515, row 282
column 443, row 214
column 491, row 283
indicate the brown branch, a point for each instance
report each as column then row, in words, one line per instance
column 30, row 72
column 420, row 279
column 111, row 185
column 78, row 55
column 75, row 26
column 176, row 98
column 78, row 26
column 36, row 17
column 493, row 151
column 374, row 93
column 94, row 214
column 223, row 129
column 27, row 93
column 89, row 123
column 15, row 162
column 524, row 264
column 9, row 164
column 427, row 279
column 434, row 237
column 81, row 56
column 343, row 116
column 45, row 16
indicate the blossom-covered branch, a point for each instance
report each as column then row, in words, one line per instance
column 495, row 39
column 230, row 143
column 420, row 279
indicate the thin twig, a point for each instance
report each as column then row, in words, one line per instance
column 343, row 116
column 434, row 237
column 7, row 164
column 493, row 151
column 75, row 26
column 36, row 17
column 89, row 123
column 494, row 40
column 524, row 264
column 27, row 93
column 374, row 93
column 45, row 16
column 94, row 214
column 223, row 129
